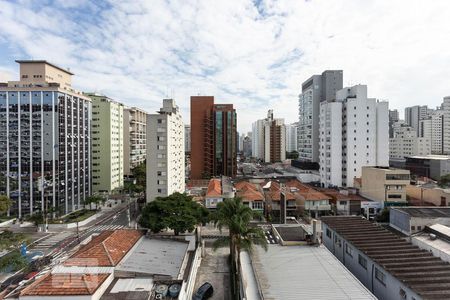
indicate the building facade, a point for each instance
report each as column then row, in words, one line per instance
column 389, row 266
column 165, row 152
column 385, row 185
column 431, row 128
column 405, row 142
column 213, row 138
column 393, row 118
column 431, row 166
column 317, row 89
column 291, row 137
column 45, row 145
column 414, row 114
column 187, row 138
column 134, row 138
column 270, row 143
column 353, row 133
column 107, row 144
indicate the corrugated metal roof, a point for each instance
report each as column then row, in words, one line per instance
column 82, row 270
column 304, row 272
column 426, row 275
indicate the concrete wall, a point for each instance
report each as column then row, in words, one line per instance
column 429, row 195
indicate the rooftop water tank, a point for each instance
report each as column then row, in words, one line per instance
column 161, row 289
column 174, row 290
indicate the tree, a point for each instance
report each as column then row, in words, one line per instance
column 94, row 199
column 140, row 174
column 234, row 215
column 12, row 262
column 292, row 155
column 5, row 204
column 177, row 211
column 444, row 181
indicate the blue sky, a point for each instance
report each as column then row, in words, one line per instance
column 254, row 54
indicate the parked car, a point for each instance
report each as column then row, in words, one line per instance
column 203, row 292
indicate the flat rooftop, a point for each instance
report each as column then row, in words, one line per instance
column 431, row 156
column 155, row 257
column 304, row 272
column 426, row 212
column 426, row 275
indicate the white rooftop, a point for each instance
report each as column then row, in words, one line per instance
column 303, row 272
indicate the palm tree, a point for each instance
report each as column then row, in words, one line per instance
column 234, row 215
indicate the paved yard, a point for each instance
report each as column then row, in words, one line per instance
column 214, row 269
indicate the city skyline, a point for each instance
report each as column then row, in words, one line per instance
column 253, row 54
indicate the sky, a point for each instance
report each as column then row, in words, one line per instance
column 254, row 54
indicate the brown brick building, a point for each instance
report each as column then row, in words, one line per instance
column 213, row 138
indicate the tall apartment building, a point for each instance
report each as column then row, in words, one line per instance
column 165, row 152
column 414, row 114
column 393, row 118
column 316, row 89
column 353, row 133
column 269, row 139
column 291, row 137
column 213, row 138
column 431, row 127
column 446, row 126
column 134, row 138
column 405, row 142
column 44, row 140
column 187, row 138
column 107, row 144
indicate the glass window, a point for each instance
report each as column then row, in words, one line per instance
column 362, row 261
column 380, row 276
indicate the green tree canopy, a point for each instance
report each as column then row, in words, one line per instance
column 444, row 181
column 5, row 204
column 139, row 173
column 12, row 262
column 94, row 199
column 177, row 211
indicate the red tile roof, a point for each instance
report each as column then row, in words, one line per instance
column 106, row 249
column 214, row 188
column 65, row 285
column 244, row 185
column 249, row 194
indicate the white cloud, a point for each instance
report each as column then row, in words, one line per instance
column 253, row 56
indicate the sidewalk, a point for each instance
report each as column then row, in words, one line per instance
column 215, row 270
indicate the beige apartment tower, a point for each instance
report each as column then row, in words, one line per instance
column 107, row 144
column 134, row 138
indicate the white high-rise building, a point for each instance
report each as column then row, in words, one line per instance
column 406, row 143
column 446, row 126
column 431, row 128
column 165, row 152
column 291, row 137
column 354, row 132
column 258, row 139
column 269, row 139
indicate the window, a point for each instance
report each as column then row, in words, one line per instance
column 402, row 293
column 362, row 261
column 413, row 227
column 329, row 233
column 348, row 250
column 380, row 276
